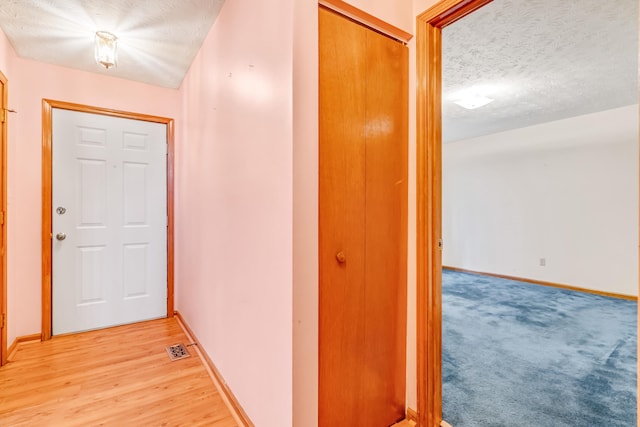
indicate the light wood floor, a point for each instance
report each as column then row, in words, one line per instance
column 113, row 377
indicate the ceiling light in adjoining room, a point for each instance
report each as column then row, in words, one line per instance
column 478, row 95
column 473, row 101
column 106, row 49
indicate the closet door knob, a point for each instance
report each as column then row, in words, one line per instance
column 340, row 257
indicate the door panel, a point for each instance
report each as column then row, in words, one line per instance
column 386, row 219
column 362, row 225
column 342, row 218
column 109, row 174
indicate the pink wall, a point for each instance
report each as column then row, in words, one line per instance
column 396, row 12
column 235, row 197
column 305, row 214
column 29, row 83
column 7, row 54
column 7, row 57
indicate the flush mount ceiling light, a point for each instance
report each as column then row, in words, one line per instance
column 106, row 49
column 478, row 95
column 472, row 102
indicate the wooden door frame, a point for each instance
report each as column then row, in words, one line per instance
column 47, row 168
column 429, row 27
column 4, row 113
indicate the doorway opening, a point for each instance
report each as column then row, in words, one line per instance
column 429, row 202
column 47, row 183
column 429, row 27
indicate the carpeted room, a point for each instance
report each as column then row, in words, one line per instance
column 551, row 196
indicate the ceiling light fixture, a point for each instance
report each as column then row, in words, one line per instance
column 106, row 49
column 472, row 102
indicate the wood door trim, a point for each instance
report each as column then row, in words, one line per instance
column 545, row 283
column 429, row 26
column 226, row 393
column 412, row 415
column 47, row 167
column 4, row 111
column 22, row 340
column 367, row 19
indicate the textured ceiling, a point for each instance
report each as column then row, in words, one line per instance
column 541, row 60
column 157, row 39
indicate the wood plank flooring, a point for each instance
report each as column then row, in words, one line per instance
column 119, row 376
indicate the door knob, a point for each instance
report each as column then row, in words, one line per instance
column 341, row 257
column 61, row 236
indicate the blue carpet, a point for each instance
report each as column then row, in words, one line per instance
column 519, row 355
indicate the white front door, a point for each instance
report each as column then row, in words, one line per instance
column 109, row 221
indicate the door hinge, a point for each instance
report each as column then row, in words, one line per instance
column 1, row 218
column 5, row 113
column 2, row 320
column 440, row 244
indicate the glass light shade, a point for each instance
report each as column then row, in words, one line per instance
column 473, row 101
column 106, row 49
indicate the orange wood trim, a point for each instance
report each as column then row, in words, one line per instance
column 367, row 19
column 234, row 406
column 429, row 202
column 46, row 219
column 47, row 167
column 170, row 216
column 405, row 423
column 446, row 12
column 429, row 316
column 12, row 348
column 550, row 284
column 22, row 340
column 412, row 415
column 4, row 142
column 106, row 111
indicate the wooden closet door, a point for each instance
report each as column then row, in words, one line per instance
column 362, row 217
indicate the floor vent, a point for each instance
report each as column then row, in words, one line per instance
column 177, row 352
